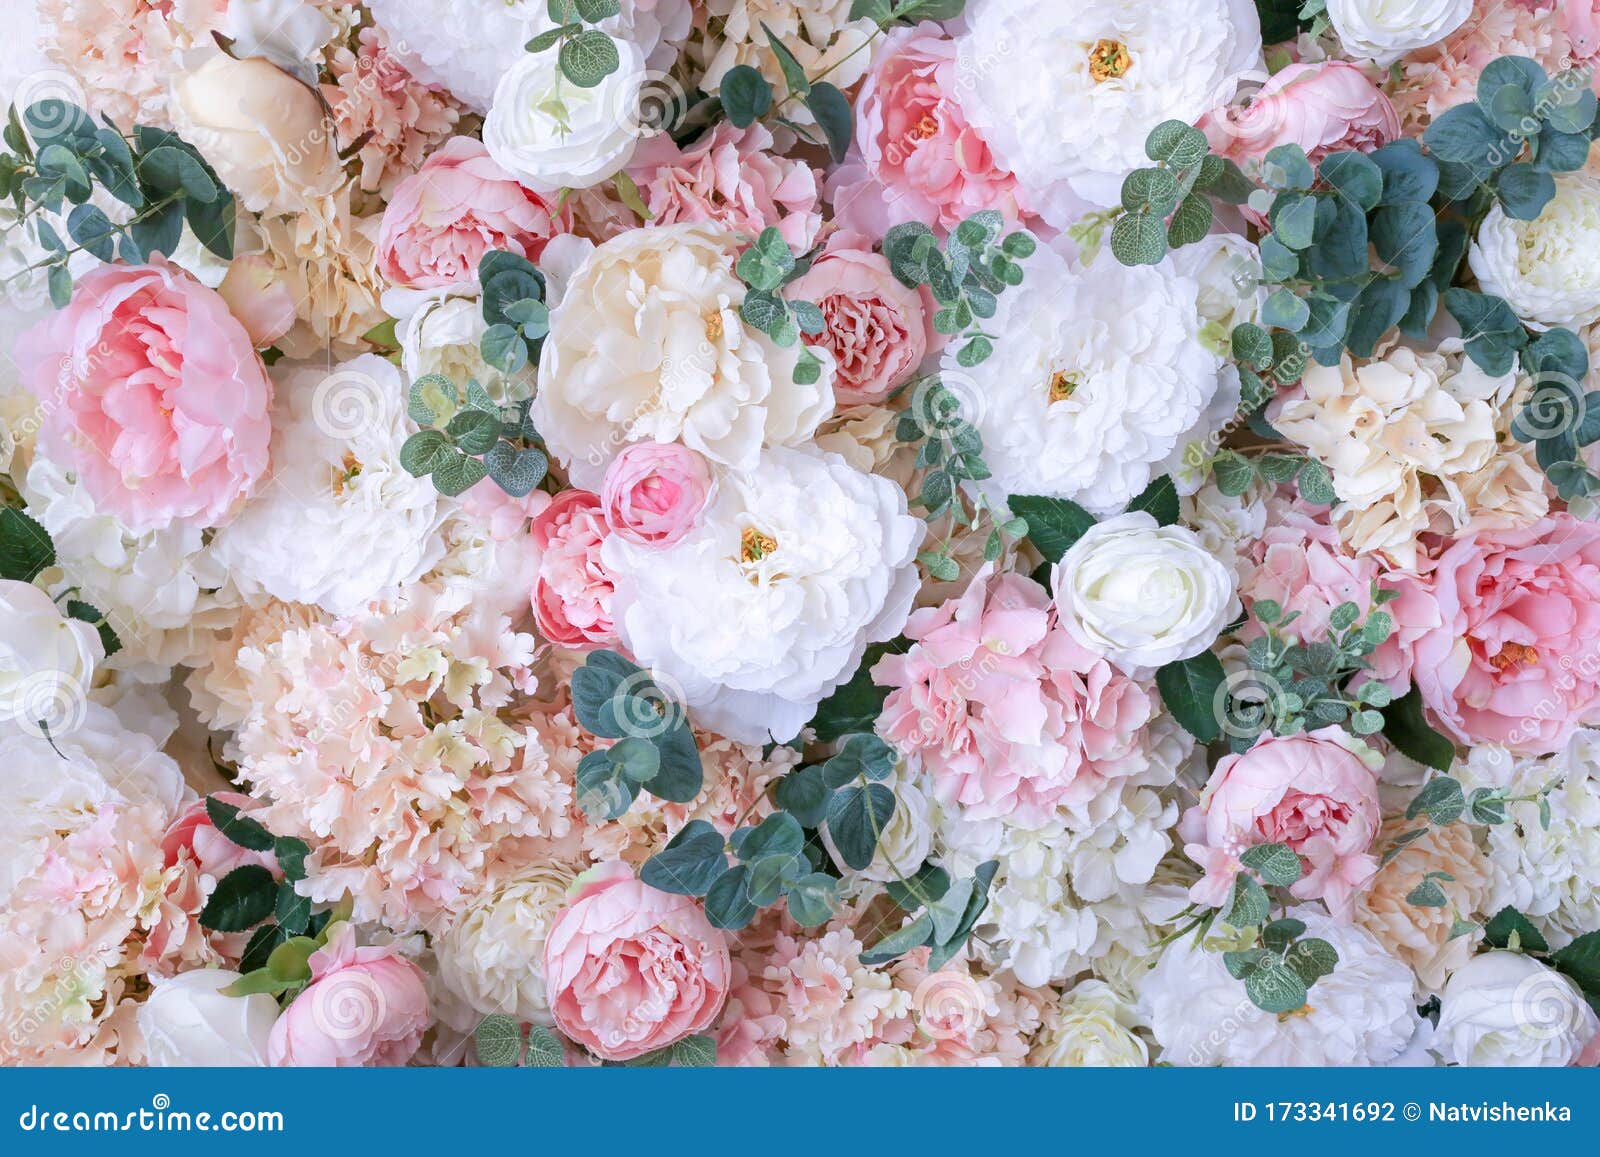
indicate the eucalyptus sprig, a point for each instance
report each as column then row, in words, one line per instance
column 514, row 312
column 467, row 436
column 587, row 55
column 765, row 267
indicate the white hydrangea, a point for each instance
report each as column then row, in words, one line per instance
column 343, row 523
column 1545, row 268
column 1100, row 376
column 1065, row 91
column 768, row 605
column 1360, row 1014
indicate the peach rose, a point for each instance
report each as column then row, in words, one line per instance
column 572, row 593
column 1323, row 108
column 152, row 392
column 363, row 1007
column 214, row 853
column 458, row 206
column 630, row 969
column 654, row 491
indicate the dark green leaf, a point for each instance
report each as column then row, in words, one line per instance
column 242, row 899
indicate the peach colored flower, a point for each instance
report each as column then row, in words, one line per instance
column 363, row 1007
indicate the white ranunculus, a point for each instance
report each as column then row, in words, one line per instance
column 769, row 604
column 188, row 1021
column 492, row 957
column 344, row 523
column 1507, row 1009
column 1362, row 1013
column 550, row 134
column 1066, row 91
column 1545, row 268
column 1090, row 1027
column 906, row 839
column 648, row 345
column 1385, row 30
column 44, row 656
column 1142, row 595
column 1102, row 375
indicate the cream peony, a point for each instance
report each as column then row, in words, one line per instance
column 1385, row 30
column 1545, row 268
column 190, row 1022
column 769, row 604
column 1507, row 1009
column 345, row 523
column 1065, row 91
column 1090, row 1027
column 1142, row 595
column 648, row 344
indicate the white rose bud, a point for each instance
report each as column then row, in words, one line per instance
column 189, row 1021
column 1546, row 268
column 1385, row 30
column 1142, row 595
column 46, row 660
column 1504, row 1008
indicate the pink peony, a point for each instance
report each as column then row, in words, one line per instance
column 877, row 329
column 1008, row 714
column 732, row 176
column 1324, row 108
column 654, row 491
column 1512, row 660
column 458, row 206
column 214, row 853
column 153, row 394
column 914, row 156
column 1311, row 792
column 363, row 1007
column 572, row 593
column 630, row 969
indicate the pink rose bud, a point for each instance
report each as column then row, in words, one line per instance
column 363, row 1007
column 1324, row 108
column 214, row 853
column 654, row 491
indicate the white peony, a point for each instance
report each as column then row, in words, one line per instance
column 648, row 345
column 188, row 1021
column 1066, row 91
column 550, row 134
column 492, row 957
column 45, row 657
column 768, row 605
column 1090, row 1027
column 1545, row 268
column 1360, row 1014
column 1100, row 375
column 344, row 523
column 1385, row 30
column 1507, row 1009
column 1142, row 595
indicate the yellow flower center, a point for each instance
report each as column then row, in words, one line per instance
column 1062, row 386
column 1513, row 656
column 755, row 546
column 1108, row 60
column 714, row 327
column 925, row 128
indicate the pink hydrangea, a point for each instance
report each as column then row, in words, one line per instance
column 153, row 394
column 1323, row 108
column 1010, row 717
column 124, row 52
column 573, row 591
column 364, row 1007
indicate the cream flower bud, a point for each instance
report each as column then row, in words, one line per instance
column 1504, row 1008
column 190, row 1022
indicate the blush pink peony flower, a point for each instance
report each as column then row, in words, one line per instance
column 1323, row 108
column 914, row 156
column 1512, row 659
column 458, row 206
column 214, row 853
column 153, row 394
column 654, row 491
column 630, row 969
column 877, row 330
column 732, row 176
column 363, row 1007
column 1311, row 792
column 572, row 593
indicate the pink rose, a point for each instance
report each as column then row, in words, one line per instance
column 363, row 1007
column 214, row 853
column 1581, row 20
column 654, row 491
column 458, row 206
column 572, row 593
column 153, row 394
column 876, row 328
column 630, row 969
column 914, row 156
column 1311, row 792
column 730, row 175
column 1323, row 108
column 1512, row 659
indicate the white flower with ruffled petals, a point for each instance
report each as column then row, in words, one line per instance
column 1545, row 268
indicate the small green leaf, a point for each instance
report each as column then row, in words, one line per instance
column 1190, row 688
column 499, row 1041
column 1274, row 863
column 242, row 899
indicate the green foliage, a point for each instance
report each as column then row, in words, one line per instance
column 1189, row 689
column 500, row 1044
column 1054, row 524
column 466, row 437
column 765, row 267
column 1405, row 726
column 966, row 275
column 586, row 56
column 856, row 705
column 25, row 547
column 614, row 698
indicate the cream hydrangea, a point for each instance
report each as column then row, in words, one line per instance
column 1091, row 1026
column 1086, row 395
column 344, row 523
column 1065, row 91
column 648, row 344
column 769, row 604
column 1545, row 268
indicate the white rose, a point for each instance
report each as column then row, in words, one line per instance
column 1091, row 1027
column 188, row 1021
column 550, row 134
column 1545, row 268
column 46, row 659
column 1142, row 595
column 906, row 839
column 1504, row 1009
column 648, row 345
column 1385, row 30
